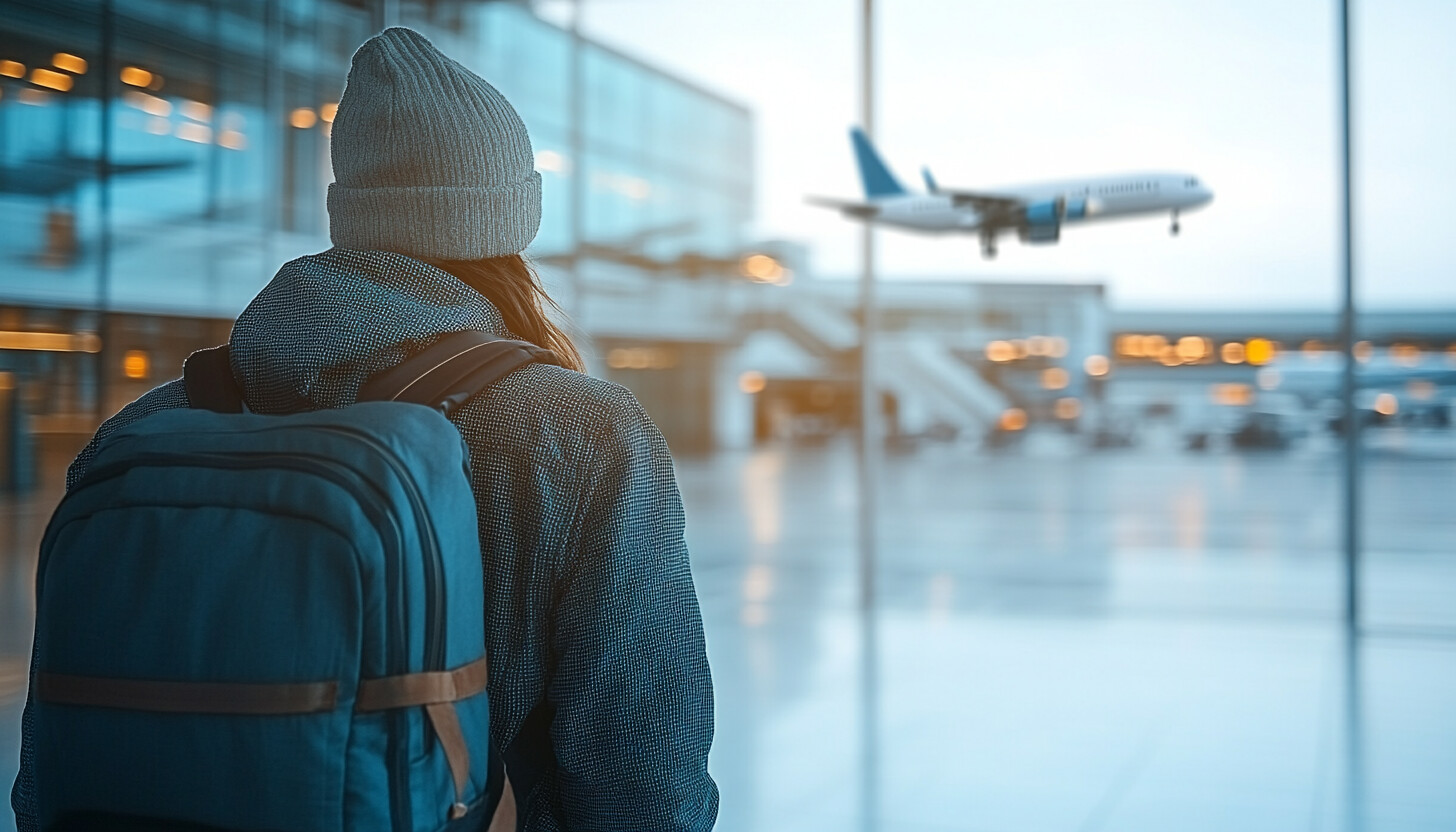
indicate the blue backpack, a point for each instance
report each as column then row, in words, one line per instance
column 252, row 622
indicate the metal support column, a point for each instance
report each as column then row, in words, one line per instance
column 275, row 130
column 576, row 169
column 1348, row 335
column 103, row 192
column 1354, row 751
column 383, row 14
column 870, row 450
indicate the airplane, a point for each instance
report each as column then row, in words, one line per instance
column 1036, row 212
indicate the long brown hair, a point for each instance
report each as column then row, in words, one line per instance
column 513, row 286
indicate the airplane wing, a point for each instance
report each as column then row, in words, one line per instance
column 992, row 206
column 864, row 210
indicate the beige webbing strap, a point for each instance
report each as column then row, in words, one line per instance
column 438, row 692
column 505, row 811
column 447, row 728
column 409, row 689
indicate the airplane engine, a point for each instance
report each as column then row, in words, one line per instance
column 1043, row 222
column 1045, row 213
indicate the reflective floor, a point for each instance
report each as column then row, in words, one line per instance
column 1130, row 640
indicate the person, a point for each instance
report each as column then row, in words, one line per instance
column 600, row 692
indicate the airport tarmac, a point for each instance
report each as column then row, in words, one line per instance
column 1141, row 639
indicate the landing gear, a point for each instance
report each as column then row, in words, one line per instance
column 988, row 246
column 1173, row 229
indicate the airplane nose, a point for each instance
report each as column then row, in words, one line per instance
column 1204, row 196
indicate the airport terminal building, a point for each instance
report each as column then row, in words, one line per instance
column 215, row 120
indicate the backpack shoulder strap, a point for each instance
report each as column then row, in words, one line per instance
column 208, row 377
column 452, row 370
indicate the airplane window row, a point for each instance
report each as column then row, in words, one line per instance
column 1125, row 188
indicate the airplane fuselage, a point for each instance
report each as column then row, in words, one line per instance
column 1036, row 213
column 1104, row 198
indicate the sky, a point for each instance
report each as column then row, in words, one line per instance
column 1242, row 94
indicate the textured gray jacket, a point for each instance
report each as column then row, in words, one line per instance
column 600, row 691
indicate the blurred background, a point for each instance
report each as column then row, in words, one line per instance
column 1106, row 587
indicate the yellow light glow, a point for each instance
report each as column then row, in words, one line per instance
column 1012, row 419
column 761, row 268
column 192, row 132
column 634, row 187
column 135, row 76
column 1154, row 345
column 752, row 382
column 70, row 63
column 1232, row 395
column 1054, row 378
column 51, row 79
column 1058, row 347
column 1312, row 347
column 1258, row 351
column 1421, row 390
column 1130, row 346
column 134, row 364
column 7, row 380
column 758, row 583
column 303, row 118
column 232, row 140
column 1406, row 355
column 327, row 111
column 1386, row 404
column 12, row 69
column 1038, row 345
column 641, row 358
column 1363, row 351
column 149, row 104
column 50, row 341
column 195, row 110
column 1192, row 349
column 1000, row 351
column 1232, row 353
column 1068, row 408
column 1168, row 357
column 1097, row 365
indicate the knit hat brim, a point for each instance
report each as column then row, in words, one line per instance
column 436, row 222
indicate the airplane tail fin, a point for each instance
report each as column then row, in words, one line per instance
column 878, row 181
column 929, row 181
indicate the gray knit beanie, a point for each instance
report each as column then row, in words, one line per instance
column 430, row 160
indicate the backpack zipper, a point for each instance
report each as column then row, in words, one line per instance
column 434, row 567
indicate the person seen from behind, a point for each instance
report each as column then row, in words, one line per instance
column 600, row 693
